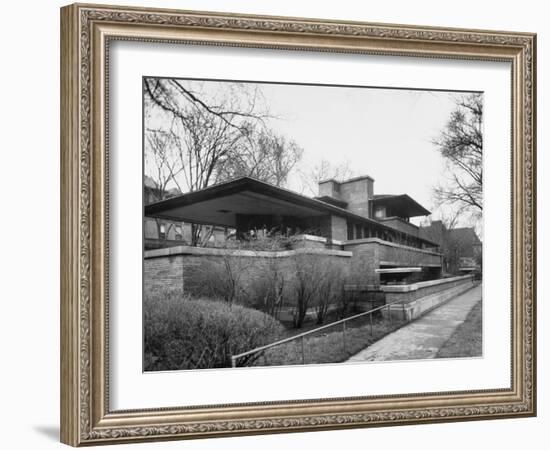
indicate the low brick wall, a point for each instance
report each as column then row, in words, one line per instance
column 414, row 300
column 186, row 269
column 370, row 253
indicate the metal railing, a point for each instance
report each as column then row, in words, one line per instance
column 301, row 336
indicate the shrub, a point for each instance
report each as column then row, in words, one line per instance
column 330, row 291
column 272, row 241
column 225, row 279
column 309, row 277
column 267, row 290
column 195, row 333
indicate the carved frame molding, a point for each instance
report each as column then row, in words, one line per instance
column 86, row 31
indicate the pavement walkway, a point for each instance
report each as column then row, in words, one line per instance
column 422, row 338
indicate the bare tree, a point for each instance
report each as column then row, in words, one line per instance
column 306, row 286
column 330, row 290
column 461, row 145
column 268, row 157
column 161, row 161
column 236, row 106
column 163, row 166
column 207, row 129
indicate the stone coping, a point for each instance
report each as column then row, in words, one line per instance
column 397, row 263
column 399, row 270
column 423, row 284
column 313, row 238
column 208, row 251
column 388, row 244
column 353, row 287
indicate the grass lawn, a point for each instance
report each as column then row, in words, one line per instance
column 466, row 341
column 327, row 346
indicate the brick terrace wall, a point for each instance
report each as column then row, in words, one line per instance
column 165, row 274
column 186, row 269
column 411, row 292
column 365, row 261
column 369, row 254
column 412, row 301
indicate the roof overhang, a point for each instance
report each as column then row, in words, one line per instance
column 407, row 206
column 221, row 203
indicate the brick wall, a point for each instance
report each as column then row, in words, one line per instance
column 369, row 254
column 357, row 192
column 365, row 260
column 163, row 274
column 411, row 292
column 412, row 301
column 339, row 228
column 188, row 269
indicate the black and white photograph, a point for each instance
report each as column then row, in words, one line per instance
column 295, row 224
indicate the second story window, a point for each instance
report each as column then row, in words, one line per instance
column 380, row 212
column 178, row 232
column 162, row 231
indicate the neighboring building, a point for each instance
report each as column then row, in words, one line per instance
column 468, row 249
column 461, row 247
column 160, row 233
column 346, row 216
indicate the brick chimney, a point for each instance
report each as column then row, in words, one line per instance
column 355, row 192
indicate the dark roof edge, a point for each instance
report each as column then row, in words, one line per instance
column 408, row 197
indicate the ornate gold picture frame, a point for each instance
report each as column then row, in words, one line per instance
column 87, row 31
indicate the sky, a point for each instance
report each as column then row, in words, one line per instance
column 381, row 132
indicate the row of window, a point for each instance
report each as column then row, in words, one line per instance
column 359, row 231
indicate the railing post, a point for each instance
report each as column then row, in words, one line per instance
column 233, row 361
column 404, row 317
column 344, row 335
column 389, row 313
column 303, row 353
column 370, row 317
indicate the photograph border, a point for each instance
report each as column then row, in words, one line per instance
column 86, row 31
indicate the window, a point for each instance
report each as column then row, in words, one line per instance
column 350, row 231
column 358, row 232
column 179, row 233
column 380, row 212
column 162, row 231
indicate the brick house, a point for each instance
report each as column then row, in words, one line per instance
column 347, row 216
column 461, row 247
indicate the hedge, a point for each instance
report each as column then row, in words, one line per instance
column 197, row 333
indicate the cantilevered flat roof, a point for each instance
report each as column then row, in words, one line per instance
column 403, row 203
column 219, row 205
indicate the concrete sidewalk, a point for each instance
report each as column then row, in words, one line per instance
column 422, row 338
